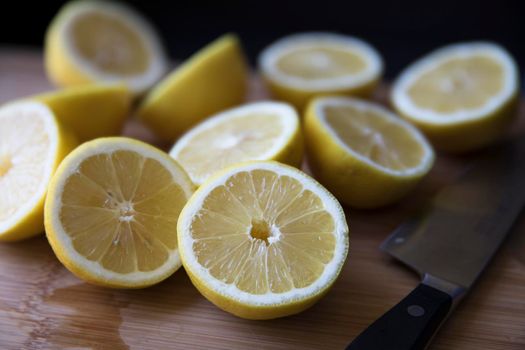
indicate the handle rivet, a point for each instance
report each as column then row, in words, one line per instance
column 415, row 310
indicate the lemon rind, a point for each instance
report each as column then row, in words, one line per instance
column 185, row 68
column 405, row 105
column 230, row 291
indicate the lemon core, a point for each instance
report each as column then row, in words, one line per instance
column 261, row 230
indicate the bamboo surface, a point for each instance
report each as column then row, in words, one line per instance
column 43, row 306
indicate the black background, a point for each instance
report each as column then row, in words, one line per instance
column 400, row 30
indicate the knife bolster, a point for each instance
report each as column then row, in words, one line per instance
column 455, row 291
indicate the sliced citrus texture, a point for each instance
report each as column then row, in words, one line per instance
column 111, row 212
column 213, row 79
column 365, row 155
column 90, row 111
column 301, row 66
column 256, row 131
column 463, row 96
column 32, row 144
column 262, row 240
column 101, row 41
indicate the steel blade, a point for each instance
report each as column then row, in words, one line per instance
column 457, row 234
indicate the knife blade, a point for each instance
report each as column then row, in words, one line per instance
column 449, row 243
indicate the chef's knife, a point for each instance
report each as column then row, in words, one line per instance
column 449, row 244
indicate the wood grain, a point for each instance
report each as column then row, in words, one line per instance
column 43, row 306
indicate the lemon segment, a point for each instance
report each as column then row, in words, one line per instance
column 112, row 210
column 93, row 41
column 213, row 79
column 301, row 66
column 364, row 154
column 90, row 111
column 262, row 240
column 462, row 96
column 256, row 131
column 32, row 144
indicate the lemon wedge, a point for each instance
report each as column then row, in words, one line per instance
column 301, row 66
column 256, row 131
column 90, row 111
column 364, row 154
column 213, row 79
column 32, row 144
column 262, row 240
column 111, row 212
column 101, row 41
column 462, row 96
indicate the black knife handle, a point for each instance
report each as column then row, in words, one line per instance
column 409, row 325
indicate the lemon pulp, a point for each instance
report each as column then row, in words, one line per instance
column 320, row 62
column 120, row 209
column 263, row 233
column 232, row 141
column 109, row 44
column 24, row 156
column 458, row 84
column 374, row 137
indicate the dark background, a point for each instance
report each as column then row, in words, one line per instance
column 400, row 30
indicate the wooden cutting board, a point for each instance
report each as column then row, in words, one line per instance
column 43, row 306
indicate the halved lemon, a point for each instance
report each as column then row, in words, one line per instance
column 101, row 41
column 462, row 96
column 256, row 131
column 90, row 111
column 213, row 79
column 111, row 212
column 364, row 154
column 262, row 240
column 32, row 144
column 301, row 66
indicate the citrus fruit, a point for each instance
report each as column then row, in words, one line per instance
column 213, row 79
column 90, row 111
column 262, row 240
column 364, row 154
column 32, row 144
column 111, row 212
column 256, row 131
column 463, row 96
column 100, row 41
column 301, row 66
